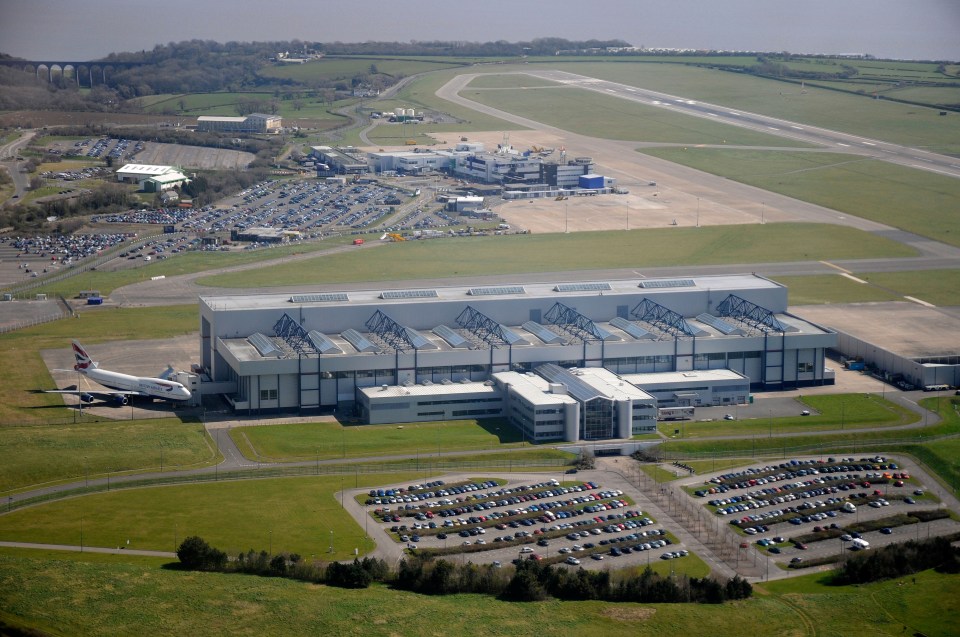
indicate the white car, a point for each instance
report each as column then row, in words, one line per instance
column 573, row 560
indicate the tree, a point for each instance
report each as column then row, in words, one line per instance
column 196, row 554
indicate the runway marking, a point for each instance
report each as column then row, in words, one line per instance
column 853, row 278
column 772, row 128
column 842, row 144
column 934, row 170
column 869, row 143
column 713, row 115
column 836, row 267
column 918, row 301
column 795, row 126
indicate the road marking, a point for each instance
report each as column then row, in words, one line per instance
column 842, row 144
column 853, row 278
column 734, row 113
column 837, row 267
column 772, row 128
column 797, row 127
column 916, row 300
column 869, row 143
column 713, row 115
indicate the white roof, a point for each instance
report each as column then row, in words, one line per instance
column 170, row 176
column 532, row 388
column 435, row 389
column 144, row 169
column 217, row 118
column 611, row 385
column 682, row 378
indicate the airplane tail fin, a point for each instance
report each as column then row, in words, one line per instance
column 84, row 362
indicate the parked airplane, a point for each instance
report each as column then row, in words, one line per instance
column 121, row 386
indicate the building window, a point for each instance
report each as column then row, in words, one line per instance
column 268, row 394
column 804, row 368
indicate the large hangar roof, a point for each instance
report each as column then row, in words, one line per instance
column 385, row 296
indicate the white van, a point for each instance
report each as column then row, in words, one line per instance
column 859, row 544
column 849, row 507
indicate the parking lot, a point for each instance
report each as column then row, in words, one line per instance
column 574, row 523
column 810, row 510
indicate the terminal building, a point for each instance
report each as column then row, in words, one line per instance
column 562, row 361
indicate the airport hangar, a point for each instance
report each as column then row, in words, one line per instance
column 563, row 361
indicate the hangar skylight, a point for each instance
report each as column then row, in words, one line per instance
column 409, row 294
column 360, row 342
column 319, row 298
column 264, row 345
column 582, row 287
column 503, row 289
column 653, row 284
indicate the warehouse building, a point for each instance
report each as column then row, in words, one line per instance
column 253, row 123
column 337, row 350
column 339, row 161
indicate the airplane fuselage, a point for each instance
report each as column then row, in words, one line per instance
column 155, row 387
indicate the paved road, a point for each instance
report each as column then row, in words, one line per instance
column 7, row 153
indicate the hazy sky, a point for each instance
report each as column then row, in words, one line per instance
column 88, row 29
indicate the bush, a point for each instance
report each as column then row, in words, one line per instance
column 194, row 553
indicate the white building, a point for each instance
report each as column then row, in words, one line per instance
column 336, row 350
column 253, row 123
column 138, row 173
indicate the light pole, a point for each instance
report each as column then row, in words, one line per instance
column 698, row 212
column 331, row 540
column 161, row 457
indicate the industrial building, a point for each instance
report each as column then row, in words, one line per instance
column 440, row 353
column 338, row 161
column 152, row 178
column 253, row 123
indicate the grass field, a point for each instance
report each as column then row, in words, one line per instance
column 41, row 454
column 185, row 263
column 833, row 411
column 596, row 250
column 914, row 200
column 940, row 287
column 295, row 514
column 335, row 68
column 849, row 440
column 19, row 406
column 326, row 440
column 880, row 119
column 832, row 288
column 44, row 592
column 599, row 115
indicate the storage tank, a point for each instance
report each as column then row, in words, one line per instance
column 398, row 111
column 571, row 422
column 410, row 112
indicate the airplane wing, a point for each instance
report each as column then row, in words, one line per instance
column 118, row 396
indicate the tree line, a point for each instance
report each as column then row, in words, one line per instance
column 529, row 580
column 897, row 560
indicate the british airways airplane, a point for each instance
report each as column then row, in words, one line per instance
column 123, row 386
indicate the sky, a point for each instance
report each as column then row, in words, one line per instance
column 80, row 30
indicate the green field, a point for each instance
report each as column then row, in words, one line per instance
column 595, row 250
column 299, row 514
column 43, row 592
column 18, row 406
column 831, row 412
column 910, row 199
column 905, row 124
column 335, row 68
column 940, row 287
column 326, row 440
column 42, row 454
column 832, row 288
column 600, row 115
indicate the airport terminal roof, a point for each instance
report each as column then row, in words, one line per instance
column 433, row 389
